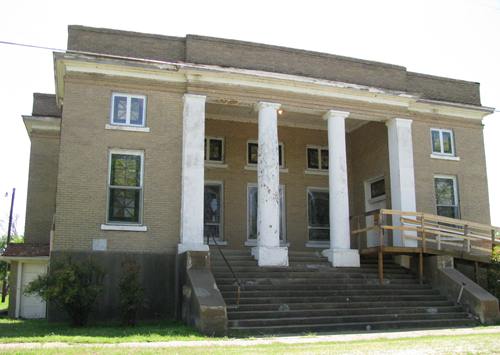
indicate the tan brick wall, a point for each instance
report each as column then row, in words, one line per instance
column 40, row 205
column 82, row 180
column 470, row 170
column 236, row 179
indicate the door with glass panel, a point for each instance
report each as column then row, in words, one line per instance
column 318, row 215
column 213, row 212
column 252, row 214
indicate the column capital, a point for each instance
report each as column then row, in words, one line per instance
column 336, row 114
column 402, row 122
column 264, row 104
column 194, row 97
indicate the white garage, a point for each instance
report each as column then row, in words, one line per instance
column 29, row 306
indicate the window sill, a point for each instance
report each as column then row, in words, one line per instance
column 445, row 157
column 253, row 243
column 127, row 128
column 219, row 242
column 254, row 168
column 313, row 244
column 211, row 165
column 123, row 228
column 316, row 172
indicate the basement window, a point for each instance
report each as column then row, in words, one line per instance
column 128, row 110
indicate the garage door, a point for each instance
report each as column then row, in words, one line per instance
column 31, row 306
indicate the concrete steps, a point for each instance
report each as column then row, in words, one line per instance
column 311, row 296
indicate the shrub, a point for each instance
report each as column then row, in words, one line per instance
column 131, row 292
column 72, row 286
column 494, row 273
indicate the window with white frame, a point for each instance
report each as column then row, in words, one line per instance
column 213, row 202
column 128, row 110
column 377, row 189
column 253, row 153
column 317, row 158
column 252, row 202
column 318, row 214
column 125, row 186
column 214, row 149
column 442, row 141
column 447, row 201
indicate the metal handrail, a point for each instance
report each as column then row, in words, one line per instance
column 238, row 283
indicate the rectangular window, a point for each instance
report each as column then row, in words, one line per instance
column 214, row 149
column 252, row 196
column 128, row 110
column 442, row 141
column 377, row 189
column 253, row 153
column 317, row 158
column 125, row 185
column 318, row 214
column 447, row 202
column 213, row 202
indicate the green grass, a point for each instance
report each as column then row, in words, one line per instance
column 457, row 344
column 5, row 305
column 22, row 331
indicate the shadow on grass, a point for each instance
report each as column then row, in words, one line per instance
column 42, row 331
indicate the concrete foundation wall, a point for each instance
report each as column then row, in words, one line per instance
column 157, row 277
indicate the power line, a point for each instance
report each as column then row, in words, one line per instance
column 32, row 46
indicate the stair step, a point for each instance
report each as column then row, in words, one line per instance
column 336, row 305
column 303, row 280
column 316, row 320
column 332, row 299
column 329, row 293
column 321, row 287
column 364, row 326
column 237, row 314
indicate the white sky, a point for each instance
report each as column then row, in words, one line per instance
column 457, row 39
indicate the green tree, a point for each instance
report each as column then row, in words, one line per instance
column 72, row 286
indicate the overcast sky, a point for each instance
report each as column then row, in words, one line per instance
column 457, row 39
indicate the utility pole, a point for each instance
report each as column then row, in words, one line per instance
column 4, row 281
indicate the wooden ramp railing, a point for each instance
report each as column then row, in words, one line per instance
column 416, row 233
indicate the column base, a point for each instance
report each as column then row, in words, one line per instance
column 342, row 257
column 271, row 256
column 183, row 247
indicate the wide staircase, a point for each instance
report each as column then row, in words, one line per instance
column 311, row 296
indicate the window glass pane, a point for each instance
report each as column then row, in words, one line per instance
column 136, row 111
column 312, row 158
column 120, row 109
column 436, row 143
column 124, row 205
column 205, row 151
column 447, row 143
column 211, row 231
column 448, row 211
column 125, row 170
column 318, row 204
column 215, row 150
column 252, row 212
column 445, row 194
column 280, row 155
column 377, row 188
column 212, row 203
column 319, row 234
column 253, row 153
column 324, row 158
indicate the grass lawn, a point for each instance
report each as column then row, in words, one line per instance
column 459, row 344
column 5, row 305
column 26, row 331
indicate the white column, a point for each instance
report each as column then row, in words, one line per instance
column 268, row 251
column 402, row 173
column 340, row 253
column 193, row 174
